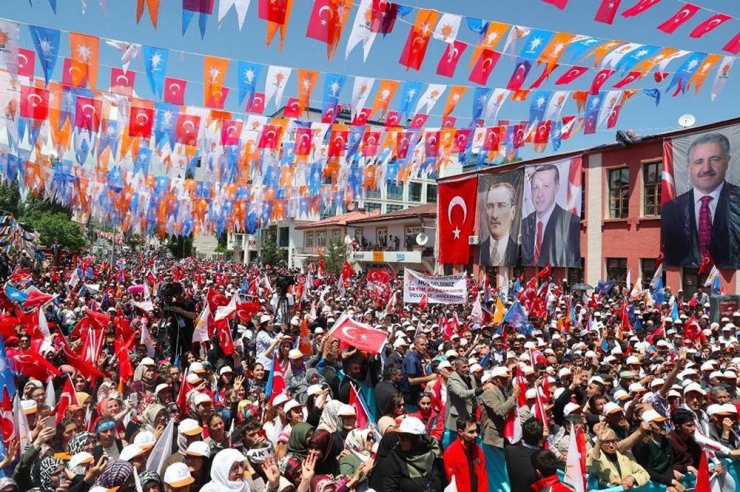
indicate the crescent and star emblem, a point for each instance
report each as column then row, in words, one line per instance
column 457, row 201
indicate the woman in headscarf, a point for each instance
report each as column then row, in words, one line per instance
column 82, row 441
column 119, row 474
column 150, row 482
column 359, row 443
column 227, row 473
column 154, row 419
column 415, row 463
column 298, row 443
column 326, row 462
column 7, row 484
column 51, row 474
column 328, row 420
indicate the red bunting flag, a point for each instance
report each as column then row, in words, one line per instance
column 88, row 112
column 174, row 92
column 231, row 130
column 484, row 66
column 419, row 120
column 607, row 11
column 457, row 214
column 600, row 79
column 327, row 21
column 141, row 122
column 679, row 18
column 572, row 74
column 122, row 82
column 448, row 62
column 384, row 15
column 303, row 141
column 733, row 45
column 273, row 10
column 709, row 25
column 188, row 126
column 630, row 78
column 415, row 48
column 361, row 117
column 26, row 60
column 34, row 103
column 638, row 8
column 561, row 4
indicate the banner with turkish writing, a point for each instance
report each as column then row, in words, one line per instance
column 448, row 289
column 456, row 218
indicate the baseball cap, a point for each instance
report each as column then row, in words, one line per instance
column 199, row 448
column 314, row 389
column 621, row 395
column 131, row 451
column 444, row 364
column 178, row 475
column 652, row 416
column 193, row 379
column 290, row 405
column 499, row 372
column 295, row 354
column 571, row 407
column 694, row 387
column 145, row 440
column 81, row 458
column 280, row 399
column 202, row 398
column 189, row 427
column 412, row 425
column 610, row 408
column 225, row 370
column 400, row 342
column 197, row 367
column 161, row 387
column 347, row 411
column 264, row 318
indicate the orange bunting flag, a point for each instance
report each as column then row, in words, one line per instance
column 489, row 41
column 85, row 49
column 214, row 74
column 646, row 65
column 386, row 91
column 152, row 6
column 698, row 78
column 456, row 93
column 555, row 49
column 601, row 51
column 306, row 82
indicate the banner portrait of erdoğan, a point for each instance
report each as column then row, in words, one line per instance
column 551, row 214
column 700, row 215
column 456, row 219
column 499, row 217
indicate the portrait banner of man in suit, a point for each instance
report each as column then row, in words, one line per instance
column 700, row 215
column 551, row 214
column 500, row 212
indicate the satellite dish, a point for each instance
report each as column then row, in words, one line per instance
column 347, row 240
column 422, row 239
column 686, row 120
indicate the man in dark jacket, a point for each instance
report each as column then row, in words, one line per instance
column 415, row 464
column 519, row 456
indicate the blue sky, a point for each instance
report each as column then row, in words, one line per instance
column 640, row 114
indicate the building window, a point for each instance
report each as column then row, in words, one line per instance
column 371, row 206
column 575, row 275
column 414, row 192
column 283, row 237
column 381, row 236
column 308, row 239
column 647, row 270
column 410, row 234
column 394, row 191
column 651, row 176
column 431, row 193
column 616, row 269
column 321, row 239
column 619, row 192
column 374, row 193
column 689, row 281
column 336, row 234
column 392, row 208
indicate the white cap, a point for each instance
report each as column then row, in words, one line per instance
column 347, row 411
column 531, row 393
column 716, row 374
column 314, row 389
column 694, row 387
column 189, row 427
column 147, row 361
column 295, row 354
column 291, row 405
column 652, row 416
column 225, row 370
column 280, row 399
column 570, row 408
column 610, row 408
column 657, row 382
column 475, row 368
column 707, row 366
column 199, row 448
column 486, row 377
column 202, row 398
column 319, row 330
column 633, row 360
column 635, row 387
column 565, row 371
column 193, row 378
column 29, row 406
column 265, row 318
column 500, row 371
column 178, row 475
column 412, row 425
column 197, row 367
column 83, row 457
column 729, row 408
column 444, row 364
column 131, row 451
column 621, row 395
column 714, row 409
column 161, row 387
column 400, row 342
column 145, row 439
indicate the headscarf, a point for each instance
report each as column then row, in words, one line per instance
column 149, row 476
column 297, row 443
column 47, row 467
column 220, row 467
column 420, row 457
column 321, row 482
column 356, row 442
column 116, row 473
column 6, row 482
column 322, row 441
column 328, row 420
column 77, row 443
column 149, row 416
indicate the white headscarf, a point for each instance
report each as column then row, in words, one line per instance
column 220, row 482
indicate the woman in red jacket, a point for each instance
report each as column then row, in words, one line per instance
column 433, row 420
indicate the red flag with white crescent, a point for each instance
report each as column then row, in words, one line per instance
column 638, row 8
column 607, row 11
column 572, row 74
column 451, row 55
column 686, row 12
column 733, row 45
column 709, row 25
column 67, row 398
column 457, row 216
column 174, row 91
column 360, row 335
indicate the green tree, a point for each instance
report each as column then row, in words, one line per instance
column 10, row 198
column 55, row 227
column 336, row 255
column 271, row 254
column 180, row 246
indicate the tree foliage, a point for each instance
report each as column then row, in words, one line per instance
column 179, row 246
column 271, row 254
column 336, row 255
column 10, row 198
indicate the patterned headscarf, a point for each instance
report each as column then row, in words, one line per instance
column 149, row 476
column 77, row 443
column 47, row 467
column 116, row 473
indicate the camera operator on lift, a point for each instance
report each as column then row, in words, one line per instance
column 179, row 311
column 283, row 302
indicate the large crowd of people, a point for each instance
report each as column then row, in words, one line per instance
column 149, row 373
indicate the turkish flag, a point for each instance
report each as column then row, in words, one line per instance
column 403, row 142
column 519, row 134
column 448, row 121
column 67, row 398
column 418, row 120
column 607, row 11
column 303, row 141
column 631, row 77
column 638, row 8
column 520, row 74
column 679, row 18
column 370, row 144
column 74, row 73
column 88, row 112
column 558, row 3
column 36, row 298
column 141, row 121
column 361, row 117
column 415, row 48
column 273, row 10
column 188, row 126
column 357, row 334
column 32, row 364
column 338, row 142
column 461, row 140
column 733, row 45
column 26, row 60
column 174, row 91
column 324, row 19
column 34, row 103
column 355, row 400
column 492, row 139
column 122, row 83
column 568, row 126
column 225, row 341
column 245, row 310
column 542, row 134
column 231, row 130
column 391, row 119
column 572, row 74
column 217, row 98
column 709, row 24
column 384, row 15
column 258, row 103
column 611, row 121
column 448, row 62
column 600, row 79
column 292, row 108
column 270, row 138
column 484, row 66
column 431, row 144
column 456, row 217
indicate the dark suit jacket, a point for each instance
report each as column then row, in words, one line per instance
column 679, row 230
column 561, row 239
column 519, row 466
column 510, row 256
